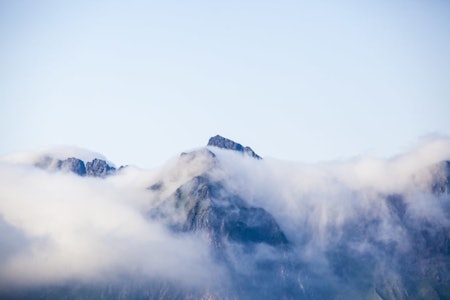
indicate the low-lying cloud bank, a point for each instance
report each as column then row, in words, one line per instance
column 366, row 227
column 56, row 227
column 335, row 191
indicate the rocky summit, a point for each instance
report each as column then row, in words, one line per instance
column 224, row 143
column 95, row 168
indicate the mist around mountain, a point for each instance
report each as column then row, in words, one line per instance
column 222, row 222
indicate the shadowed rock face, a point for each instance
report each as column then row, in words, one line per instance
column 99, row 168
column 225, row 217
column 72, row 164
column 224, row 143
column 236, row 232
column 413, row 266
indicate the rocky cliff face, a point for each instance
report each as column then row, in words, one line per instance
column 206, row 206
column 224, row 143
column 73, row 165
column 237, row 232
column 99, row 168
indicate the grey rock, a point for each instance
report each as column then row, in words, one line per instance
column 224, row 143
column 72, row 164
column 235, row 231
column 99, row 168
column 208, row 207
column 95, row 168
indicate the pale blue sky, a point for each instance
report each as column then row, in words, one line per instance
column 141, row 81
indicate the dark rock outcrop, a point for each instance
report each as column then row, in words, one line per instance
column 72, row 164
column 99, row 168
column 95, row 168
column 224, row 143
column 208, row 207
column 235, row 230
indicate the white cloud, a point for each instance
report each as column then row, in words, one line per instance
column 57, row 226
column 89, row 229
column 319, row 199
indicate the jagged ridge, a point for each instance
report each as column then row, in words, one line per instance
column 224, row 143
column 95, row 168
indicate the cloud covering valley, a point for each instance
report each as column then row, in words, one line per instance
column 362, row 227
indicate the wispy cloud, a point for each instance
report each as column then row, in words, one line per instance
column 57, row 227
column 63, row 227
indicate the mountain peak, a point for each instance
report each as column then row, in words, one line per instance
column 224, row 143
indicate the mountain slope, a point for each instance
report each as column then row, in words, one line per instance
column 221, row 223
